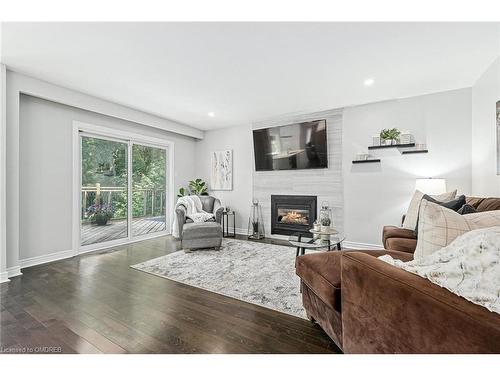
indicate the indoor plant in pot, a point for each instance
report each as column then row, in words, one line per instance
column 390, row 136
column 198, row 187
column 100, row 213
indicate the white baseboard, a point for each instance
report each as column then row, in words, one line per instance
column 29, row 262
column 4, row 277
column 14, row 271
column 361, row 246
column 241, row 231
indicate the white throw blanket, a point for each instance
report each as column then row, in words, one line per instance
column 468, row 267
column 194, row 211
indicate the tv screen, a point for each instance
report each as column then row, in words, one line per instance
column 295, row 146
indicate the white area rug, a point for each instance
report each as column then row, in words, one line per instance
column 255, row 272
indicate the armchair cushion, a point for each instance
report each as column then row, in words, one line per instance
column 207, row 203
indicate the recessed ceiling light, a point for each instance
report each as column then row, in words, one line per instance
column 369, row 82
column 211, row 114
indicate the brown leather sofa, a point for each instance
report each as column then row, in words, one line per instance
column 368, row 306
column 401, row 239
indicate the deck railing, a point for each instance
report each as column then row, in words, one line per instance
column 145, row 201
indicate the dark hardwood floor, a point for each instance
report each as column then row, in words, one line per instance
column 96, row 304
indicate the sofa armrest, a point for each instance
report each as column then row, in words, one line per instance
column 391, row 231
column 388, row 310
column 218, row 211
column 180, row 212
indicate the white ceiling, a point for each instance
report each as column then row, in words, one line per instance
column 249, row 71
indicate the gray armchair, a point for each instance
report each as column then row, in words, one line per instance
column 209, row 204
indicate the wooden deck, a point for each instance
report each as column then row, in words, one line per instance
column 116, row 229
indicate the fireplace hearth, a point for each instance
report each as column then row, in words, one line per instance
column 292, row 214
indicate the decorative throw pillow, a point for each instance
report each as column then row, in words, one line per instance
column 466, row 209
column 439, row 226
column 411, row 217
column 455, row 205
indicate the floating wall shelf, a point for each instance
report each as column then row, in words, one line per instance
column 366, row 161
column 415, row 152
column 391, row 146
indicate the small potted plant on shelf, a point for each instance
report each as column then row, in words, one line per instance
column 390, row 136
column 99, row 213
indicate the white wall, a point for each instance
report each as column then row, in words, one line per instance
column 81, row 107
column 485, row 94
column 378, row 194
column 374, row 194
column 46, row 170
column 238, row 139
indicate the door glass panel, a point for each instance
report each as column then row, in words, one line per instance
column 148, row 189
column 104, row 190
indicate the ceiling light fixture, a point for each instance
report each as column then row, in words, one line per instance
column 211, row 114
column 369, row 81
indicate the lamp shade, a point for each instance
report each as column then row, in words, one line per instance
column 432, row 186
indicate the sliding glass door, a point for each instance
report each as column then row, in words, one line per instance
column 104, row 190
column 148, row 189
column 123, row 190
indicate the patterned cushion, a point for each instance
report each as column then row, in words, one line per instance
column 466, row 209
column 412, row 214
column 439, row 226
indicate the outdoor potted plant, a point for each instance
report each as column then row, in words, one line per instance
column 390, row 136
column 100, row 213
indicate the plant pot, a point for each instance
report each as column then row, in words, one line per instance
column 101, row 219
column 325, row 228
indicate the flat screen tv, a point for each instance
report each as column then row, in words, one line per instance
column 295, row 146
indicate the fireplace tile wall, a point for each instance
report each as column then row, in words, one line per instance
column 326, row 184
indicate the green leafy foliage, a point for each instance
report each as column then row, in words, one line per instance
column 104, row 162
column 182, row 192
column 390, row 134
column 198, row 187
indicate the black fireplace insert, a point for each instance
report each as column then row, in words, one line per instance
column 293, row 213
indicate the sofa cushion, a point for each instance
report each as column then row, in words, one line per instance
column 466, row 209
column 474, row 201
column 410, row 221
column 321, row 272
column 454, row 204
column 439, row 226
column 488, row 204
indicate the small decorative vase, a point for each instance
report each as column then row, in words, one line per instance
column 317, row 226
column 325, row 216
